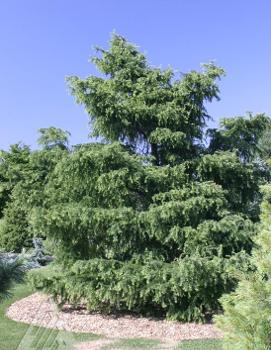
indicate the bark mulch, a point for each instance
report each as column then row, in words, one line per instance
column 39, row 309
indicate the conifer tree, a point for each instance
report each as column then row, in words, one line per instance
column 247, row 311
column 145, row 220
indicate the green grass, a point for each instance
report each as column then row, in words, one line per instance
column 11, row 332
column 133, row 344
column 202, row 344
column 19, row 336
column 136, row 344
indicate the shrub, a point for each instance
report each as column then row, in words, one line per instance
column 11, row 271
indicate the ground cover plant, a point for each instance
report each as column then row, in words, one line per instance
column 151, row 219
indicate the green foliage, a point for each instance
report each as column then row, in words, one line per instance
column 53, row 137
column 14, row 227
column 264, row 145
column 24, row 174
column 145, row 107
column 11, row 271
column 240, row 180
column 131, row 236
column 240, row 134
column 13, row 165
column 150, row 219
column 185, row 289
column 246, row 319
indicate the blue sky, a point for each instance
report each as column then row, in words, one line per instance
column 42, row 41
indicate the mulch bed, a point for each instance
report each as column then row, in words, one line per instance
column 39, row 309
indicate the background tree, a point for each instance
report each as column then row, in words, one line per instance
column 53, row 137
column 24, row 175
column 241, row 134
column 264, row 145
column 13, row 166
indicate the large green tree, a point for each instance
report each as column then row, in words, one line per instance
column 133, row 234
column 149, row 219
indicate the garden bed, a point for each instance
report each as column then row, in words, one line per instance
column 39, row 309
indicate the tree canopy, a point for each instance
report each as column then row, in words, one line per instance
column 147, row 108
column 53, row 137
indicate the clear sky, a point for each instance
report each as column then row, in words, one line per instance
column 42, row 41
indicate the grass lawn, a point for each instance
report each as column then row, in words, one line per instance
column 203, row 344
column 19, row 336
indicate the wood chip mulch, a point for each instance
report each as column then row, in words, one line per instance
column 39, row 309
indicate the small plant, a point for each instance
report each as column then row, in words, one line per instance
column 37, row 257
column 12, row 271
